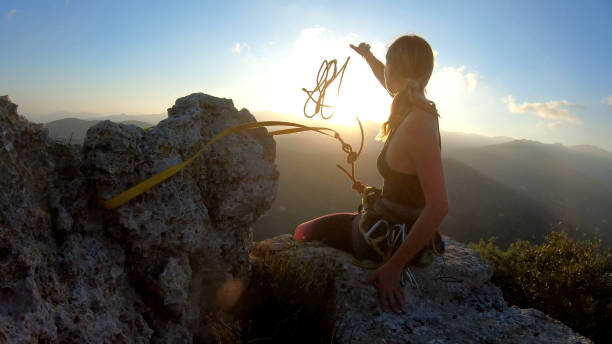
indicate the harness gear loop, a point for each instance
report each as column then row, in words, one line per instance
column 385, row 237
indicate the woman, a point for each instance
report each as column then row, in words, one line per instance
column 410, row 164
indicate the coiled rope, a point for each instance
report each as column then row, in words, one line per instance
column 324, row 80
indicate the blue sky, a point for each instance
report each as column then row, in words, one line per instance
column 537, row 70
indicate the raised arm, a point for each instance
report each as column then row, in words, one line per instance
column 378, row 68
column 424, row 151
column 423, row 148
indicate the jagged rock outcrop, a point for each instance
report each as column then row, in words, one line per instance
column 156, row 268
column 321, row 292
column 168, row 265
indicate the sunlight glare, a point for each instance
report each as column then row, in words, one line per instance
column 360, row 92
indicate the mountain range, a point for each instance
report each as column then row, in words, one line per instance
column 497, row 186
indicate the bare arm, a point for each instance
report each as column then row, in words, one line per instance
column 426, row 156
column 378, row 68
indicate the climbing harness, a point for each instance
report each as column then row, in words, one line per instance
column 384, row 232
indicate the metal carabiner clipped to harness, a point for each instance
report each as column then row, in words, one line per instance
column 407, row 276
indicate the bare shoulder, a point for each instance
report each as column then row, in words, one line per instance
column 420, row 127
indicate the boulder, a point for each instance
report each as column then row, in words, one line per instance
column 162, row 267
column 320, row 290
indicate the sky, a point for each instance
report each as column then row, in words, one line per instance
column 535, row 70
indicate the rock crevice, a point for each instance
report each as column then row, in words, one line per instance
column 150, row 270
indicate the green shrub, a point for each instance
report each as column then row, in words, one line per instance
column 566, row 278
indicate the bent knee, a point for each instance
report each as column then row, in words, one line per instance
column 301, row 232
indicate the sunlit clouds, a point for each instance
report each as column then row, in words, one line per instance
column 361, row 94
column 556, row 110
column 239, row 47
column 453, row 79
column 455, row 90
column 609, row 101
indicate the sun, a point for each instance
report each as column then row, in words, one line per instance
column 360, row 94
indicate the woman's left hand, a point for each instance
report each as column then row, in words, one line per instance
column 390, row 293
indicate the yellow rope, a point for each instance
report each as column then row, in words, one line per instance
column 135, row 191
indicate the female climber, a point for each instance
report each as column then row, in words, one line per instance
column 414, row 191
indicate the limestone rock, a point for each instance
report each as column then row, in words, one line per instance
column 455, row 302
column 150, row 270
column 62, row 280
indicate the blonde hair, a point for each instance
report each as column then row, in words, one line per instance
column 412, row 59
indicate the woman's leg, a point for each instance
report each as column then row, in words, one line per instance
column 334, row 230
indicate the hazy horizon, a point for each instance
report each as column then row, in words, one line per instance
column 501, row 69
column 58, row 115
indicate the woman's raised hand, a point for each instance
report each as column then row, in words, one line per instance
column 363, row 49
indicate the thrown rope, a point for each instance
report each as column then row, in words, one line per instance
column 324, row 80
column 322, row 83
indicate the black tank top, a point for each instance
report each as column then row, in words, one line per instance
column 400, row 187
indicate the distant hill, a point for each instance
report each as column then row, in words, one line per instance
column 455, row 140
column 122, row 118
column 496, row 186
column 450, row 140
column 480, row 207
column 516, row 189
column 572, row 185
column 73, row 129
column 592, row 150
column 91, row 116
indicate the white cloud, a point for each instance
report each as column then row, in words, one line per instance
column 609, row 101
column 239, row 48
column 554, row 109
column 553, row 125
column 11, row 13
column 454, row 79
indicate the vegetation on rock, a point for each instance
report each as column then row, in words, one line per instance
column 567, row 278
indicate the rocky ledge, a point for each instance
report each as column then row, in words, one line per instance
column 321, row 291
column 177, row 264
column 161, row 268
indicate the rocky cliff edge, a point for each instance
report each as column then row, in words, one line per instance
column 178, row 265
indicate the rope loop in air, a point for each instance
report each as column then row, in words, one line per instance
column 323, row 81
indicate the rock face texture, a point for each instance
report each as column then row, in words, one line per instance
column 153, row 270
column 321, row 290
column 177, row 263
